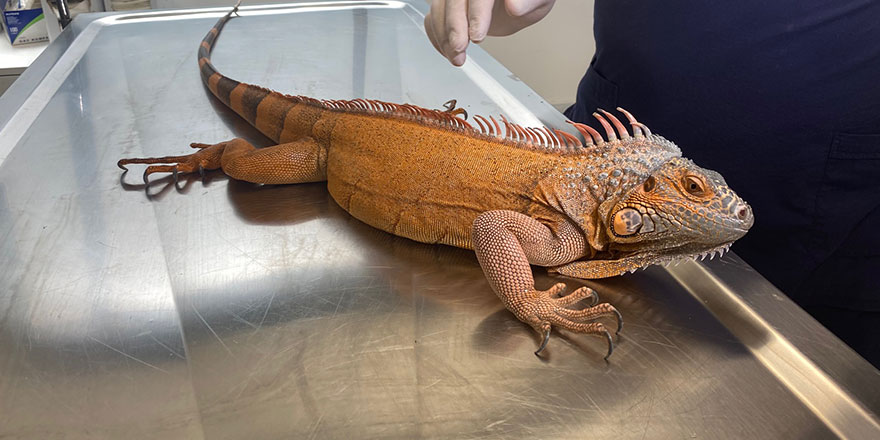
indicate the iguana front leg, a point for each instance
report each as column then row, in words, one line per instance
column 507, row 243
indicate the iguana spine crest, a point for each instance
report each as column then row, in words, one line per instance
column 534, row 138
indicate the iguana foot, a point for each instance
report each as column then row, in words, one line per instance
column 207, row 158
column 544, row 309
column 450, row 108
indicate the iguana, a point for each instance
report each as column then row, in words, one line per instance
column 517, row 196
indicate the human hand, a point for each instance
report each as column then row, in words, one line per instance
column 452, row 24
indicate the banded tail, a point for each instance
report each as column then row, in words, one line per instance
column 221, row 86
column 243, row 98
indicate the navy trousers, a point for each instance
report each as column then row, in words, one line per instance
column 783, row 99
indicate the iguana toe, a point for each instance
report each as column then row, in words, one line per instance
column 450, row 108
column 207, row 158
column 544, row 309
column 578, row 295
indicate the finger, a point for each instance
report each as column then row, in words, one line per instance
column 479, row 19
column 521, row 8
column 456, row 31
column 537, row 11
column 510, row 16
column 434, row 24
column 429, row 31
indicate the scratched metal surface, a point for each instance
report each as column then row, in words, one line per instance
column 221, row 309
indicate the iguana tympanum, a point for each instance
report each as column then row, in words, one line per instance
column 517, row 197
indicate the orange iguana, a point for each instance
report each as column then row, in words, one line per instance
column 517, row 196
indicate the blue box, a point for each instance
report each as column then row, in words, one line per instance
column 23, row 26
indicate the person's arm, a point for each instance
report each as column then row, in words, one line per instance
column 452, row 24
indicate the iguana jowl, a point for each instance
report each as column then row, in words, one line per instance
column 518, row 196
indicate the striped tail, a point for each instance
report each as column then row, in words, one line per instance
column 220, row 85
column 241, row 97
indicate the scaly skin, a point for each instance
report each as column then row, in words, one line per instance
column 529, row 196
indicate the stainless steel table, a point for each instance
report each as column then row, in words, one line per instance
column 220, row 309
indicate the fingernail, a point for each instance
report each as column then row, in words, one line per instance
column 477, row 36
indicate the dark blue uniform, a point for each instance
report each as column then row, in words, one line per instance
column 783, row 99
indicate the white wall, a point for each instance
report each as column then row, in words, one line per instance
column 552, row 55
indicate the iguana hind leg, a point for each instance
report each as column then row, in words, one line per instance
column 294, row 162
column 507, row 243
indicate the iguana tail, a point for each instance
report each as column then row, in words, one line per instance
column 243, row 98
column 220, row 85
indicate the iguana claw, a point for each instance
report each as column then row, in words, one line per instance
column 173, row 169
column 608, row 338
column 594, row 298
column 610, row 343
column 544, row 342
column 545, row 309
column 619, row 323
column 450, row 108
column 206, row 158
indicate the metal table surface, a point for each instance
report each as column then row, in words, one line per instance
column 220, row 309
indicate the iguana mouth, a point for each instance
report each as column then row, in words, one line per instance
column 676, row 259
column 666, row 260
column 611, row 266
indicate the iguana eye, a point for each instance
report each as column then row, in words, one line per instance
column 649, row 184
column 694, row 185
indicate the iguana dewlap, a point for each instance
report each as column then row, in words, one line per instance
column 517, row 196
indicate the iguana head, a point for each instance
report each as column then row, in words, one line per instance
column 679, row 211
column 651, row 205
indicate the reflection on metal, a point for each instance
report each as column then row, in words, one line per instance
column 24, row 114
column 839, row 411
column 220, row 309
